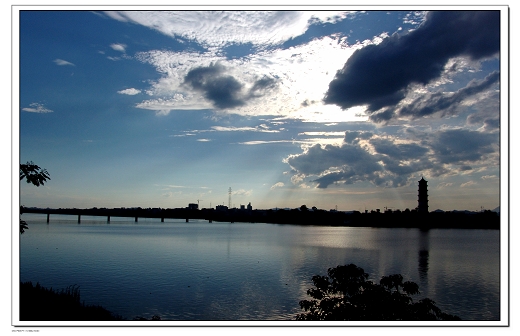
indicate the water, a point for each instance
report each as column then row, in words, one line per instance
column 242, row 271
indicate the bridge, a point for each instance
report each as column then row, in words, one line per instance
column 136, row 213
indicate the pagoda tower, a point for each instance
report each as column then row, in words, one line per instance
column 422, row 206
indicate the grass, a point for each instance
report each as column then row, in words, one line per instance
column 38, row 303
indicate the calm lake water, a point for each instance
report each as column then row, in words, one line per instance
column 241, row 271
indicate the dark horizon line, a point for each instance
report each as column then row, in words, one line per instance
column 389, row 219
column 225, row 207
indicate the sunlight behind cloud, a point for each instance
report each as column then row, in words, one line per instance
column 298, row 79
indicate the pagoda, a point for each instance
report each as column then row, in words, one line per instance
column 422, row 206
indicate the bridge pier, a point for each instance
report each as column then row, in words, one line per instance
column 162, row 220
column 187, row 220
column 79, row 219
column 108, row 219
column 136, row 219
column 48, row 216
column 211, row 220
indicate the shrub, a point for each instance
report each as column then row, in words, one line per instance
column 346, row 294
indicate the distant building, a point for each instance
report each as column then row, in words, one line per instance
column 422, row 201
column 193, row 206
column 249, row 207
column 221, row 208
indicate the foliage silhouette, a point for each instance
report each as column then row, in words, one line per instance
column 23, row 226
column 35, row 175
column 38, row 303
column 346, row 294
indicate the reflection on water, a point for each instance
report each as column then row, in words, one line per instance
column 423, row 255
column 242, row 271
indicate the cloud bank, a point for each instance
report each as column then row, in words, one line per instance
column 392, row 161
column 380, row 75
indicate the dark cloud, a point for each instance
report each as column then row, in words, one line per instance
column 491, row 124
column 447, row 104
column 261, row 87
column 378, row 75
column 382, row 116
column 461, row 145
column 405, row 151
column 318, row 159
column 487, row 114
column 307, row 103
column 224, row 90
column 391, row 162
column 352, row 137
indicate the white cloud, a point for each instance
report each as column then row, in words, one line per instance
column 130, row 91
column 262, row 142
column 63, row 62
column 277, row 185
column 221, row 28
column 163, row 106
column 37, row 108
column 468, row 184
column 243, row 129
column 342, row 134
column 444, row 185
column 242, row 192
column 118, row 47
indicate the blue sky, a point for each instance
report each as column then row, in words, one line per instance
column 335, row 108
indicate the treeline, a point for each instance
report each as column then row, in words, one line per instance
column 405, row 219
column 303, row 216
column 432, row 220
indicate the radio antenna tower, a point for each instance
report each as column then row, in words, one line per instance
column 229, row 198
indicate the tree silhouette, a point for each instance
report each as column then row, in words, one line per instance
column 346, row 295
column 35, row 175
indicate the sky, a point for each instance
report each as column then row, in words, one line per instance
column 338, row 108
